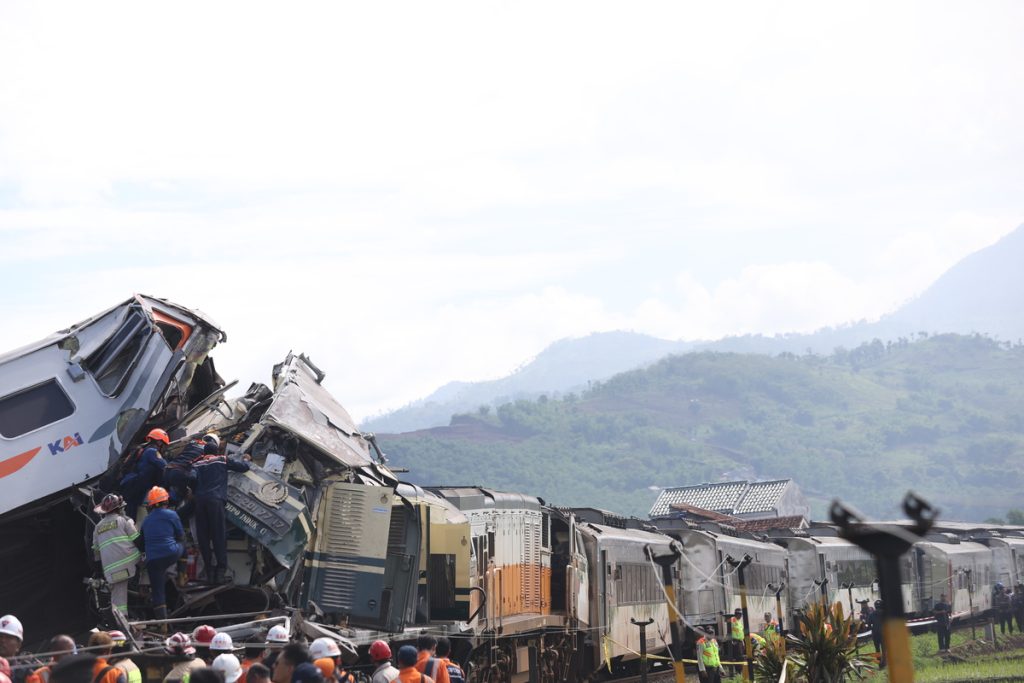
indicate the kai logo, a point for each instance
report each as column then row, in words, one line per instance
column 65, row 444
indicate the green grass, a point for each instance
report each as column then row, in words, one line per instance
column 988, row 666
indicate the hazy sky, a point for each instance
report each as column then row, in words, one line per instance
column 415, row 193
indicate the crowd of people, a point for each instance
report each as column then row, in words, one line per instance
column 209, row 656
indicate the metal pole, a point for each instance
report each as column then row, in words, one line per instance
column 667, row 562
column 888, row 543
column 740, row 566
column 970, row 602
column 778, row 608
column 643, row 646
column 849, row 589
column 535, row 663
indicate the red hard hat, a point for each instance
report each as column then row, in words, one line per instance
column 379, row 651
column 157, row 494
column 203, row 635
column 158, row 435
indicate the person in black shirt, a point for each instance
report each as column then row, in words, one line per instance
column 941, row 612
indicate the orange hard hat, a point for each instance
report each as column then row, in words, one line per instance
column 158, row 435
column 326, row 667
column 157, row 494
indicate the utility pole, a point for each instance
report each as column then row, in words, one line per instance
column 667, row 562
column 970, row 602
column 887, row 542
column 643, row 646
column 740, row 565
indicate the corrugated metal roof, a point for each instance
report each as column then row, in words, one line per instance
column 729, row 497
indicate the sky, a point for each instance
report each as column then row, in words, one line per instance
column 414, row 193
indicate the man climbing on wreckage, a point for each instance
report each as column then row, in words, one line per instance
column 211, row 495
column 144, row 470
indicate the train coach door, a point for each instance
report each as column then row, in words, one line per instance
column 579, row 581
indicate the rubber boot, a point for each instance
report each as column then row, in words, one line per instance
column 160, row 612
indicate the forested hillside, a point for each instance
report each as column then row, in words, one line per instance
column 943, row 415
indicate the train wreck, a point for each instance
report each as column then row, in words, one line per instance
column 319, row 523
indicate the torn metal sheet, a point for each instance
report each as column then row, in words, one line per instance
column 303, row 407
column 271, row 512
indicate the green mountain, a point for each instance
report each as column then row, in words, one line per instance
column 983, row 293
column 564, row 366
column 942, row 415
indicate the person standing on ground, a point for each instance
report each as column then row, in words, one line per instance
column 211, row 495
column 737, row 649
column 101, row 645
column 144, row 470
column 326, row 656
column 877, row 617
column 179, row 647
column 11, row 635
column 407, row 666
column 709, row 664
column 942, row 611
column 380, row 655
column 1017, row 604
column 61, row 646
column 253, row 654
column 162, row 536
column 257, row 673
column 292, row 656
column 121, row 660
column 113, row 544
column 443, row 650
column 426, row 660
column 1001, row 606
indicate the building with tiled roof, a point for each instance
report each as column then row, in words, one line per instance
column 742, row 499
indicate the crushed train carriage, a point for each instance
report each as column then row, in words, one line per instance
column 319, row 522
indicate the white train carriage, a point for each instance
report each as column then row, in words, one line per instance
column 624, row 585
column 836, row 569
column 710, row 587
column 1007, row 558
column 960, row 570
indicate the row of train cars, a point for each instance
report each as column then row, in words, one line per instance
column 322, row 529
column 571, row 581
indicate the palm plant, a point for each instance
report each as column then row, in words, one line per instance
column 823, row 650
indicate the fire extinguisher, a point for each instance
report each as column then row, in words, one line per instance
column 192, row 563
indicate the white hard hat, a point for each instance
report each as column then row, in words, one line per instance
column 229, row 666
column 222, row 642
column 212, row 438
column 277, row 634
column 324, row 647
column 10, row 625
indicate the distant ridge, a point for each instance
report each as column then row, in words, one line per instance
column 982, row 293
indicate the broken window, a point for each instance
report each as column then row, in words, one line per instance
column 112, row 363
column 30, row 409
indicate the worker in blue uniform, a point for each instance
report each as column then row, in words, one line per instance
column 210, row 495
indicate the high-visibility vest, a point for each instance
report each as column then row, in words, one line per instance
column 709, row 652
column 131, row 670
column 736, row 628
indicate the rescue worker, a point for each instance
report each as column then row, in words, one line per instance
column 1001, row 606
column 5, row 671
column 876, row 619
column 292, row 656
column 11, row 635
column 144, row 470
column 121, row 659
column 737, row 645
column 708, row 661
column 61, row 646
column 427, row 646
column 407, row 671
column 179, row 647
column 380, row 655
column 941, row 611
column 228, row 666
column 162, row 536
column 74, row 669
column 443, row 649
column 257, row 673
column 210, row 495
column 277, row 638
column 179, row 477
column 326, row 656
column 201, row 638
column 253, row 654
column 1018, row 605
column 113, row 544
column 101, row 645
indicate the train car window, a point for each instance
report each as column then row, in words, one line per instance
column 30, row 409
column 545, row 536
column 112, row 363
column 490, row 545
